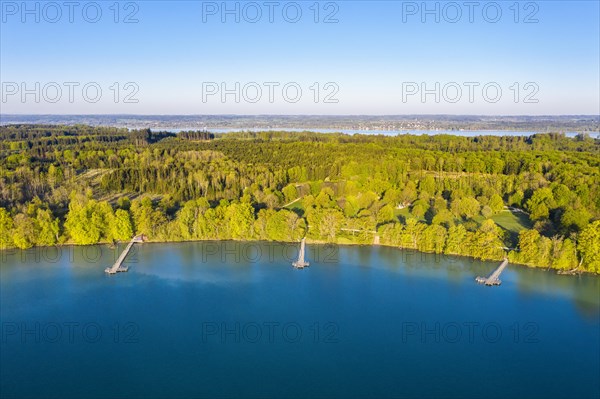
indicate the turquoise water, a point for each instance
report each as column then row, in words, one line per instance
column 233, row 319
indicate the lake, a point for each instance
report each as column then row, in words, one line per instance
column 234, row 319
column 465, row 133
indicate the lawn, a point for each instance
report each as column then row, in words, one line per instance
column 512, row 221
column 404, row 213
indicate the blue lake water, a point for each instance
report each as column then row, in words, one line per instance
column 466, row 133
column 236, row 320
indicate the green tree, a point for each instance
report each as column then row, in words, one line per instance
column 529, row 252
column 386, row 214
column 540, row 203
column 564, row 254
column 409, row 237
column 408, row 193
column 432, row 239
column 186, row 219
column 325, row 223
column 588, row 246
column 23, row 231
column 427, row 185
column 296, row 226
column 325, row 198
column 142, row 212
column 82, row 224
column 467, row 207
column 351, row 206
column 455, row 243
column 419, row 208
column 290, row 193
column 124, row 203
column 6, row 227
column 443, row 217
column 487, row 241
column 562, row 195
column 46, row 227
column 496, row 204
column 122, row 226
column 240, row 218
column 575, row 219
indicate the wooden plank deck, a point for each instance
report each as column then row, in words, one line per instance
column 118, row 265
column 494, row 278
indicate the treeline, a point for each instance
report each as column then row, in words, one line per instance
column 39, row 139
column 430, row 193
column 439, row 142
column 90, row 222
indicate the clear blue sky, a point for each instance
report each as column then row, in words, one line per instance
column 379, row 56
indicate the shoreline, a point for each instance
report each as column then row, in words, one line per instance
column 4, row 251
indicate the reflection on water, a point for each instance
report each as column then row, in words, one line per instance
column 372, row 321
column 231, row 262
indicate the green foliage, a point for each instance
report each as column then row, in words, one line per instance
column 419, row 208
column 528, row 248
column 6, row 229
column 467, row 207
column 496, row 204
column 457, row 237
column 23, row 231
column 122, row 228
column 540, row 203
column 84, row 223
column 386, row 214
column 46, row 227
column 147, row 218
column 324, row 224
column 444, row 217
column 516, row 198
column 487, row 242
column 280, row 225
column 564, row 254
column 432, row 239
column 240, row 218
column 351, row 206
column 575, row 219
column 589, row 247
column 290, row 193
column 428, row 193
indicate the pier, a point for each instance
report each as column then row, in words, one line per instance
column 301, row 263
column 118, row 266
column 494, row 278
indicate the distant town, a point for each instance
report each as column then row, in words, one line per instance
column 562, row 123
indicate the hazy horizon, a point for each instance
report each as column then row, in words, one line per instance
column 321, row 115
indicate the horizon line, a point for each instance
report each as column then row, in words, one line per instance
column 319, row 115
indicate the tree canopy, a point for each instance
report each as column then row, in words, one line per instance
column 442, row 194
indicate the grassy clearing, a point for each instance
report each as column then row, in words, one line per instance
column 404, row 214
column 296, row 205
column 512, row 221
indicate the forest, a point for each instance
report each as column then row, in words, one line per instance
column 534, row 199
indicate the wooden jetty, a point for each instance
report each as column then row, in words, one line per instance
column 118, row 266
column 301, row 263
column 494, row 278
